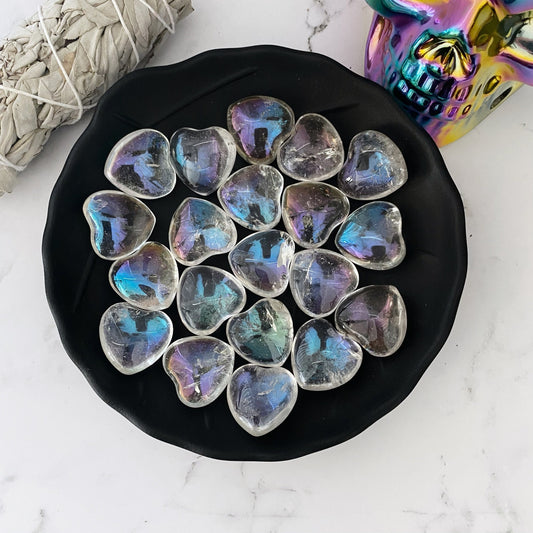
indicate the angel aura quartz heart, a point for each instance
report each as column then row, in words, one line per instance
column 133, row 338
column 200, row 229
column 319, row 279
column 374, row 168
column 375, row 317
column 203, row 159
column 251, row 197
column 139, row 165
column 261, row 398
column 323, row 358
column 259, row 124
column 261, row 262
column 119, row 223
column 200, row 368
column 311, row 211
column 206, row 297
column 148, row 278
column 263, row 334
column 313, row 152
column 371, row 236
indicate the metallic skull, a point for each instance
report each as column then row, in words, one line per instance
column 450, row 62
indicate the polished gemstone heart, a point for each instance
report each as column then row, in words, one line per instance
column 148, row 278
column 207, row 296
column 259, row 124
column 263, row 334
column 319, row 279
column 200, row 368
column 371, row 236
column 133, row 338
column 374, row 168
column 139, row 165
column 200, row 229
column 119, row 223
column 260, row 398
column 375, row 317
column 252, row 195
column 323, row 358
column 311, row 211
column 313, row 152
column 261, row 262
column 203, row 159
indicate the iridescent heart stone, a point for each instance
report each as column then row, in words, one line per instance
column 119, row 223
column 322, row 358
column 259, row 124
column 319, row 279
column 206, row 297
column 139, row 165
column 374, row 316
column 132, row 338
column 311, row 211
column 148, row 278
column 313, row 152
column 203, row 159
column 371, row 236
column 261, row 262
column 263, row 334
column 200, row 229
column 374, row 168
column 200, row 368
column 251, row 197
column 260, row 398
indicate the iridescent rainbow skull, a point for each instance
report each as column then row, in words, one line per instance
column 450, row 62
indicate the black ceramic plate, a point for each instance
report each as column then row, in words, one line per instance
column 196, row 93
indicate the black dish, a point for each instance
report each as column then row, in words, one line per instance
column 196, row 93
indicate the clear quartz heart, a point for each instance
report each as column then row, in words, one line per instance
column 371, row 236
column 322, row 358
column 375, row 316
column 319, row 279
column 263, row 334
column 200, row 229
column 119, row 224
column 203, row 159
column 261, row 398
column 132, row 338
column 139, row 165
column 200, row 368
column 313, row 152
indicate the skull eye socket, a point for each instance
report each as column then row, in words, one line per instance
column 518, row 44
column 412, row 8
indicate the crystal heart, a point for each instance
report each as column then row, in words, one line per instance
column 261, row 262
column 311, row 211
column 200, row 368
column 322, row 358
column 206, row 297
column 203, row 159
column 259, row 124
column 200, row 229
column 132, row 338
column 119, row 223
column 139, row 165
column 313, row 152
column 260, row 398
column 374, row 316
column 263, row 334
column 374, row 168
column 371, row 236
column 251, row 196
column 148, row 278
column 319, row 279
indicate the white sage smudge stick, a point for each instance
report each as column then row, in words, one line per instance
column 60, row 61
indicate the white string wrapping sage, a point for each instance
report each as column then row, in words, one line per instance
column 59, row 62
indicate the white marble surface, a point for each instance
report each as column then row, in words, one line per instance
column 456, row 456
